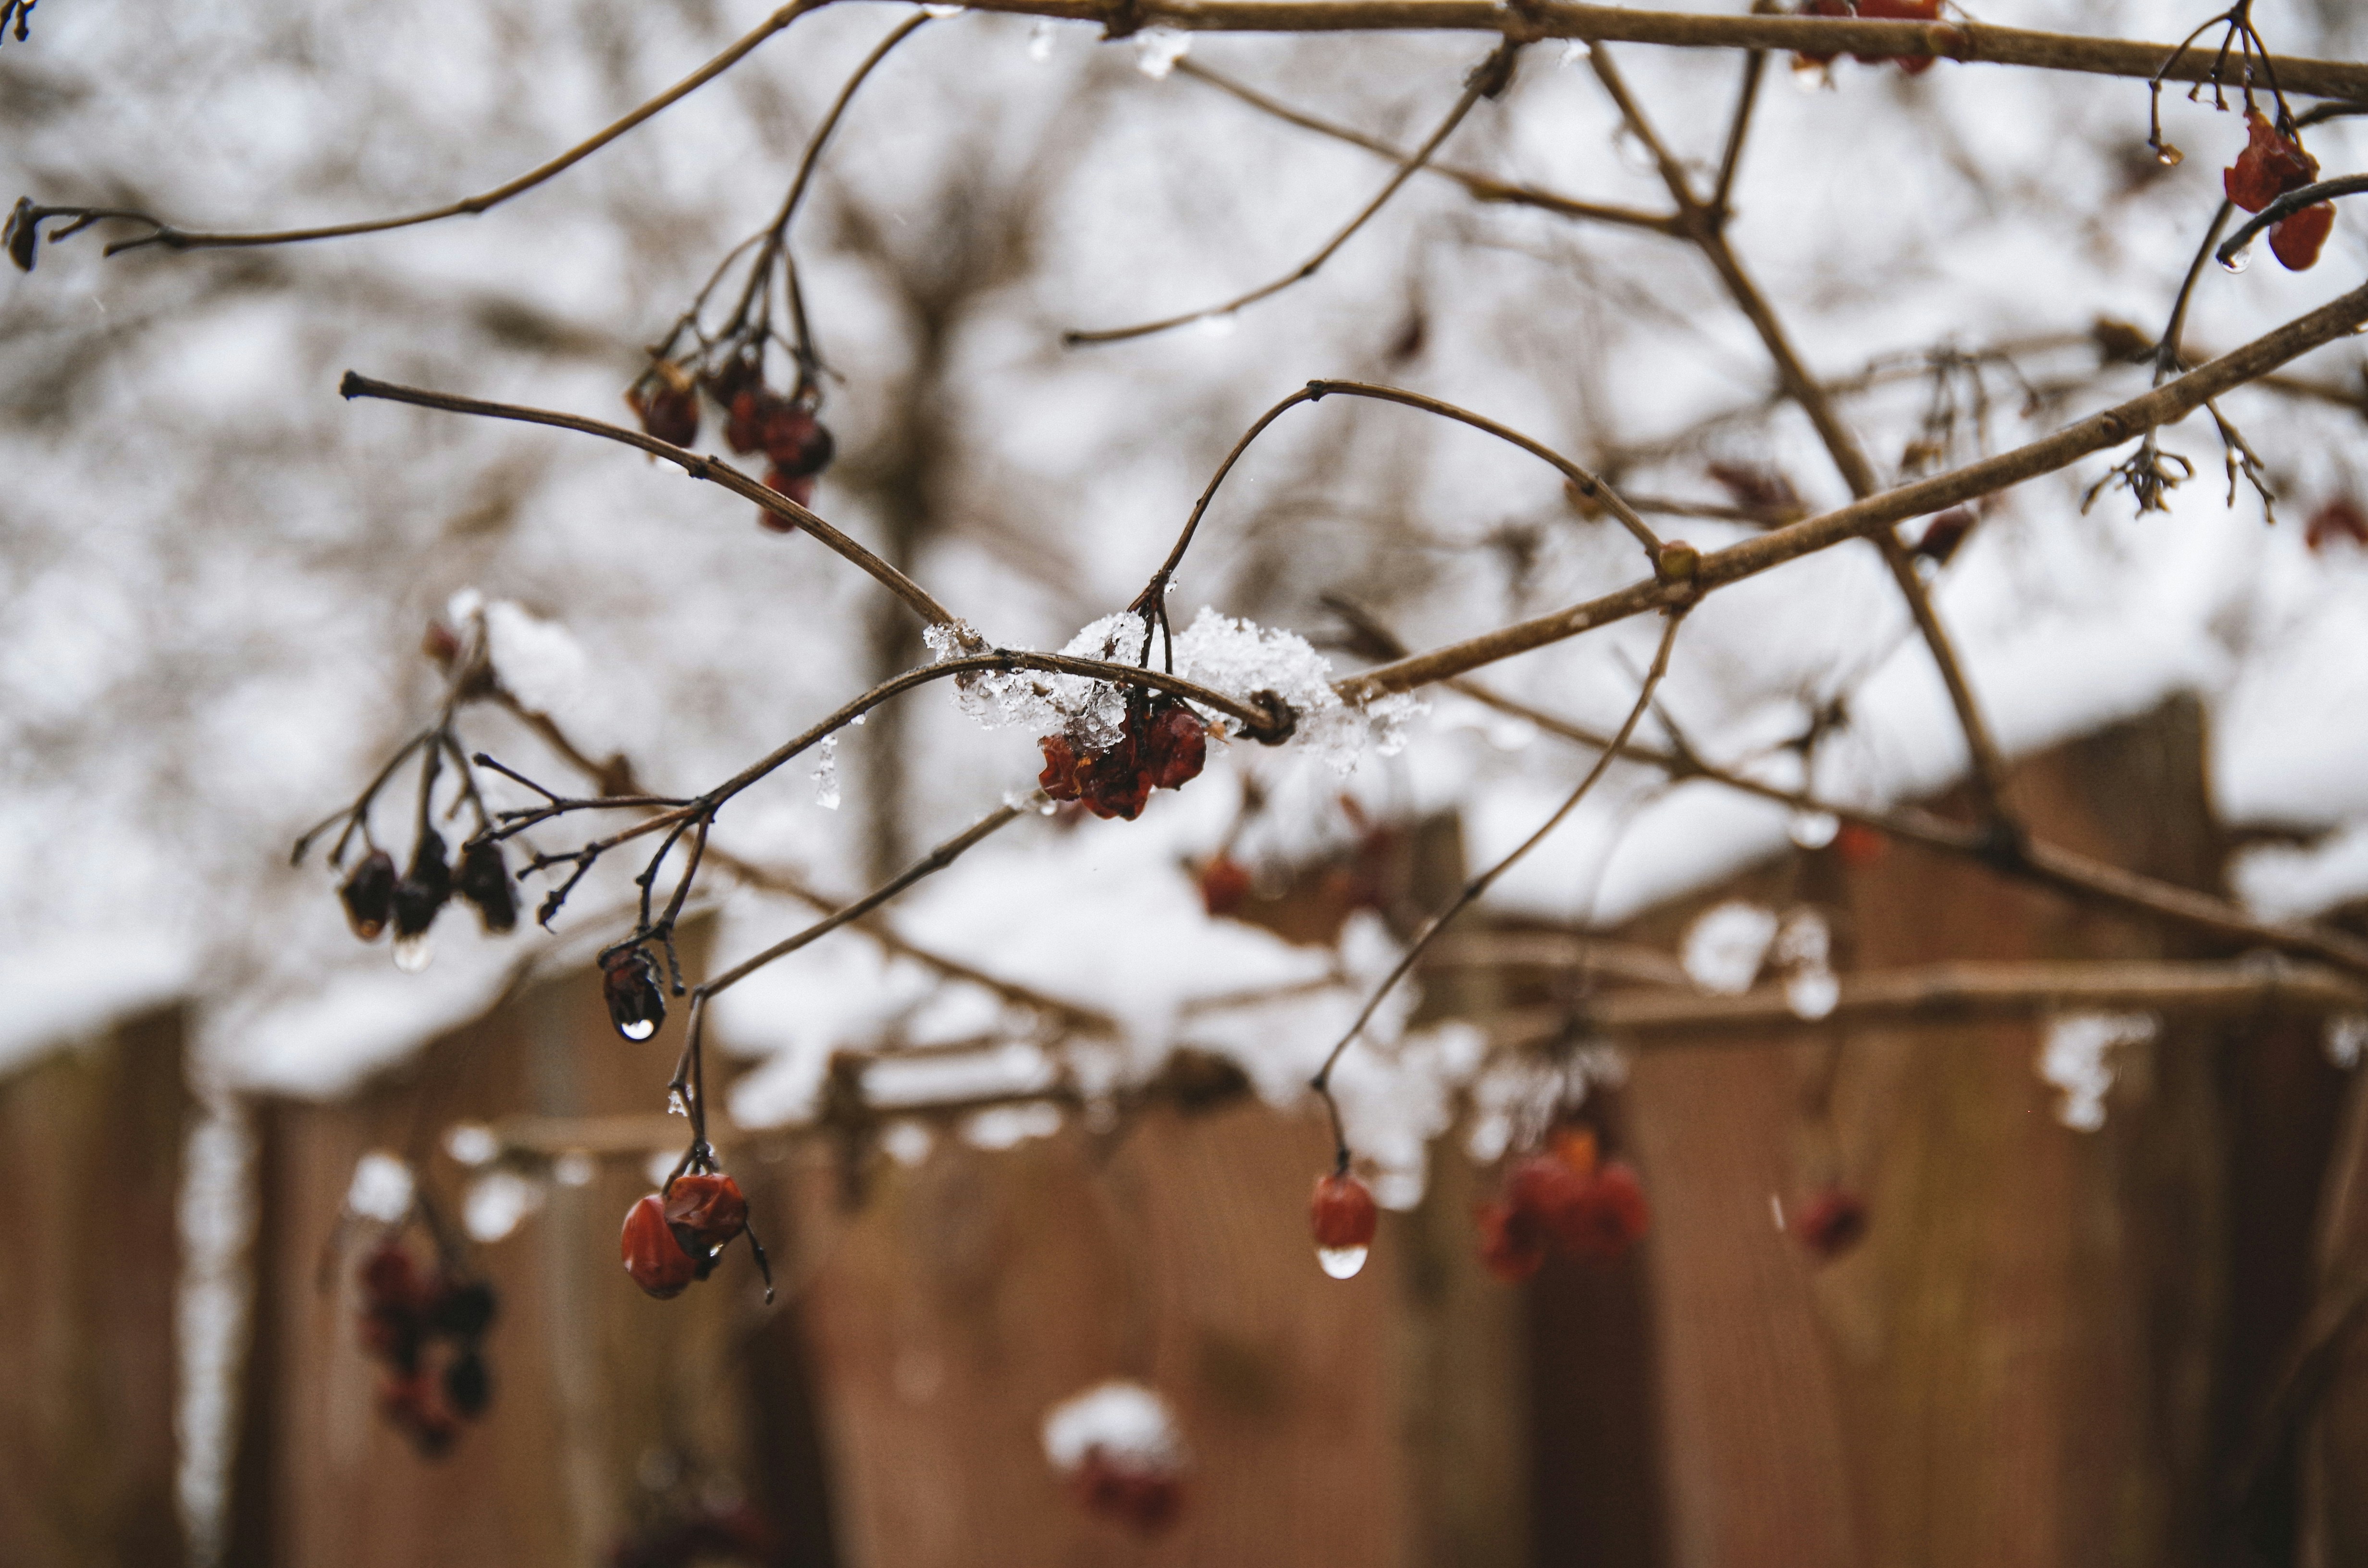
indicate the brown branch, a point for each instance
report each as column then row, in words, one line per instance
column 1955, row 994
column 1967, row 42
column 712, row 469
column 1485, row 80
column 2166, row 404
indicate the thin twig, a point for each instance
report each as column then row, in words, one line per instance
column 1485, row 80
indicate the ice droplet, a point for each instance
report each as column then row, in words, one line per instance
column 1574, row 51
column 1811, row 75
column 1341, row 1263
column 675, row 1104
column 1812, row 992
column 640, row 1028
column 1158, row 48
column 414, row 954
column 826, row 774
column 1039, row 41
column 2169, row 156
column 1815, row 830
column 2240, row 260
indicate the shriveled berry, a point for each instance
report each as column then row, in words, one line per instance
column 707, row 1208
column 462, row 1308
column 1944, row 533
column 368, row 895
column 484, row 881
column 2270, row 165
column 798, row 444
column 743, row 422
column 668, row 406
column 1174, row 745
column 1225, row 884
column 467, row 1387
column 800, row 490
column 652, row 1255
column 425, row 886
column 2295, row 239
column 629, row 983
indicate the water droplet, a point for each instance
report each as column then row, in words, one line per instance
column 675, row 1104
column 1574, row 51
column 1815, row 830
column 1341, row 1263
column 1812, row 992
column 1219, row 325
column 412, row 954
column 1040, row 42
column 640, row 1028
column 2238, row 261
column 1811, row 75
column 2169, row 156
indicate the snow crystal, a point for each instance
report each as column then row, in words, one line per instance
column 1725, row 947
column 2075, row 1060
column 381, row 1188
column 1124, row 1420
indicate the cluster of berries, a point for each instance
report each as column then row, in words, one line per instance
column 1568, row 1201
column 410, row 1321
column 676, row 1236
column 376, row 897
column 1117, row 1452
column 1162, row 744
column 796, row 445
column 2272, row 164
column 1873, row 11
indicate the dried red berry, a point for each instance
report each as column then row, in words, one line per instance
column 629, row 983
column 368, row 895
column 668, row 406
column 652, row 1257
column 2295, row 239
column 1608, row 1216
column 1512, row 1240
column 1161, row 744
column 743, row 422
column 2339, row 518
column 800, row 490
column 1944, row 533
column 1342, row 1212
column 1225, row 884
column 799, row 445
column 1174, row 744
column 1831, row 1223
column 706, row 1210
column 2270, row 165
column 467, row 1387
column 484, row 881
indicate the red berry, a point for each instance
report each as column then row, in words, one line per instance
column 1512, row 1240
column 668, row 406
column 652, row 1257
column 368, row 895
column 1175, row 744
column 1831, row 1223
column 1860, row 844
column 1143, row 1498
column 1608, row 1217
column 2339, row 518
column 707, row 1206
column 799, row 445
column 2270, row 165
column 1342, row 1212
column 2295, row 239
column 800, row 490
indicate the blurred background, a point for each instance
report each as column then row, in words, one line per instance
column 2045, row 1285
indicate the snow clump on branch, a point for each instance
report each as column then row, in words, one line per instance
column 1237, row 657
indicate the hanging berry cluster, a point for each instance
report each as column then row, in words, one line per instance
column 1568, row 1201
column 796, row 445
column 376, row 897
column 2272, row 163
column 676, row 1236
column 1162, row 744
column 426, row 1330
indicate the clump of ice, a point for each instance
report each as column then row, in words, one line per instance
column 539, row 661
column 1123, row 1420
column 2076, row 1059
column 1157, row 50
column 1725, row 947
column 1240, row 658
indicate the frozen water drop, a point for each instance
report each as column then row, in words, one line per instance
column 825, row 775
column 1341, row 1263
column 415, row 954
column 1815, row 830
column 1812, row 992
column 1574, row 51
column 675, row 1104
column 2237, row 261
column 639, row 1029
column 2169, row 156
column 1040, row 42
column 1811, row 75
